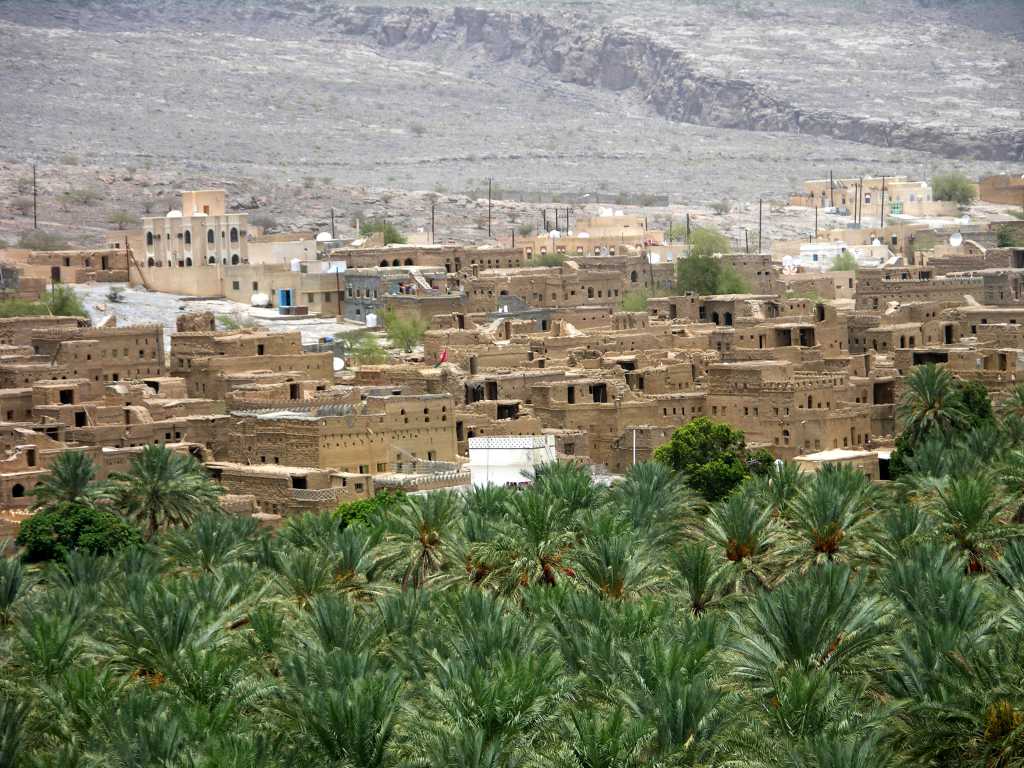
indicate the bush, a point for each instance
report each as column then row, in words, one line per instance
column 953, row 186
column 549, row 260
column 82, row 196
column 634, row 301
column 123, row 219
column 390, row 232
column 525, row 230
column 1006, row 237
column 722, row 207
column 404, row 332
column 61, row 301
column 711, row 456
column 54, row 532
column 22, row 205
column 38, row 240
column 844, row 262
column 367, row 351
column 356, row 512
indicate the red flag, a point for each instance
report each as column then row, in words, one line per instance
column 444, row 356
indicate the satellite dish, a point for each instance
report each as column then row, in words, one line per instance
column 339, row 364
column 965, row 219
column 876, row 241
column 323, row 237
column 787, row 261
column 956, row 239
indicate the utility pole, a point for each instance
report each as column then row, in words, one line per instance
column 488, row 207
column 433, row 204
column 513, row 237
column 760, row 205
column 35, row 199
column 746, row 240
column 687, row 228
column 333, row 236
column 815, row 222
column 831, row 190
column 881, row 213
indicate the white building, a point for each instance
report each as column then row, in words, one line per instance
column 819, row 257
column 508, row 460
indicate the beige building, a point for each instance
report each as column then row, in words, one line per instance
column 201, row 232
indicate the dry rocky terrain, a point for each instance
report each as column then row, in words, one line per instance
column 300, row 105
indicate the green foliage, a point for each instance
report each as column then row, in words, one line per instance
column 60, row 301
column 634, row 301
column 805, row 619
column 844, row 262
column 70, row 526
column 548, row 260
column 364, row 510
column 164, row 488
column 1007, row 237
column 953, row 186
column 39, row 240
column 367, row 351
column 405, row 333
column 525, row 229
column 711, row 456
column 390, row 232
column 705, row 241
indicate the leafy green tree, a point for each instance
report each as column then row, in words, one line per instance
column 62, row 301
column 365, row 510
column 62, row 527
column 953, row 186
column 711, row 456
column 164, row 488
column 549, row 260
column 390, row 232
column 931, row 407
column 844, row 262
column 705, row 241
column 406, row 333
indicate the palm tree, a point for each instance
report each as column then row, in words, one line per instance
column 829, row 520
column 652, row 496
column 618, row 565
column 12, row 582
column 165, row 488
column 418, row 537
column 973, row 513
column 533, row 546
column 72, row 478
column 1013, row 403
column 931, row 404
column 743, row 532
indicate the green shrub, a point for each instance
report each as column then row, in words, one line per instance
column 844, row 262
column 953, row 186
column 634, row 301
column 549, row 260
column 404, row 332
column 356, row 512
column 1006, row 237
column 390, row 232
column 53, row 532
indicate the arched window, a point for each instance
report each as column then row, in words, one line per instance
column 234, row 235
column 728, row 318
column 234, row 258
column 17, row 490
column 785, row 436
column 384, row 263
column 149, row 239
column 211, row 259
column 150, row 262
column 810, row 401
column 395, row 263
column 188, row 261
column 408, row 262
column 188, row 237
column 633, row 277
column 209, row 236
column 715, row 318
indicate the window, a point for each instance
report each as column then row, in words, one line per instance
column 149, row 239
column 255, row 285
column 234, row 285
column 234, row 235
column 209, row 236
